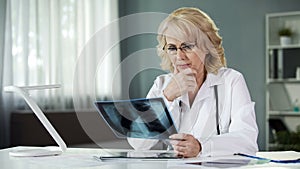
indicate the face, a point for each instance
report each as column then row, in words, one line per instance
column 187, row 55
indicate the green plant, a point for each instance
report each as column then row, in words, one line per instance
column 288, row 140
column 285, row 32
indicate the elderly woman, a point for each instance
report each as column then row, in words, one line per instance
column 210, row 103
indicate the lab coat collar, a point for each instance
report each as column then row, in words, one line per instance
column 215, row 79
column 211, row 80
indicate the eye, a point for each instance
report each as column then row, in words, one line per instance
column 172, row 48
column 187, row 47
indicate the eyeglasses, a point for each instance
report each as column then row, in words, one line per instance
column 184, row 47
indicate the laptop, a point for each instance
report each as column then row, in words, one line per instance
column 147, row 118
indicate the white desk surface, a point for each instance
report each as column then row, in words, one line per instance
column 75, row 158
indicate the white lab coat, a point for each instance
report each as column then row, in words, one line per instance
column 236, row 115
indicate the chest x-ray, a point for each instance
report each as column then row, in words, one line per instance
column 138, row 118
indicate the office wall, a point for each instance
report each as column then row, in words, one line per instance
column 242, row 26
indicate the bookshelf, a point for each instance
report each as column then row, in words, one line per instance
column 282, row 63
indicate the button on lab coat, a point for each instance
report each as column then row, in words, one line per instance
column 237, row 121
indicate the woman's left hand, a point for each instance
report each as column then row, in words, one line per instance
column 185, row 145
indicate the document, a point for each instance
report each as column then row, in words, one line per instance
column 280, row 155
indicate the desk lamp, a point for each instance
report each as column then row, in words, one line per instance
column 46, row 151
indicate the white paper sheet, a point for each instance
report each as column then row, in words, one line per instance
column 280, row 155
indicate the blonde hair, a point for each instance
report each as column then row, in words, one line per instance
column 197, row 26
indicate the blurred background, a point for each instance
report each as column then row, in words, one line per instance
column 105, row 49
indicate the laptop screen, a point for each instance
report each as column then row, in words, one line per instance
column 138, row 118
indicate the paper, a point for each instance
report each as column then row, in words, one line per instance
column 279, row 155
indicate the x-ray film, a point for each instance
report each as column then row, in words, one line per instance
column 138, row 118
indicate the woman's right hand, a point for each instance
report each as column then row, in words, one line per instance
column 181, row 83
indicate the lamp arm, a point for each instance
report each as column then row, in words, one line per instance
column 37, row 111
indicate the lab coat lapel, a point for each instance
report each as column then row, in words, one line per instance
column 219, row 81
column 207, row 92
column 183, row 107
column 190, row 115
column 210, row 82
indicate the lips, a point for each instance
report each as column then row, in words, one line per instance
column 184, row 66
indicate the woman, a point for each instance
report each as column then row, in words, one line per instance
column 210, row 103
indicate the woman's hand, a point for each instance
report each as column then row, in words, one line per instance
column 181, row 83
column 185, row 145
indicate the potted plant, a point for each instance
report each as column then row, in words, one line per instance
column 285, row 36
column 288, row 140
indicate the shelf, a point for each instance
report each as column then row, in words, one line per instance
column 282, row 62
column 284, row 14
column 284, row 113
column 289, row 80
column 292, row 46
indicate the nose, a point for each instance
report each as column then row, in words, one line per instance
column 180, row 54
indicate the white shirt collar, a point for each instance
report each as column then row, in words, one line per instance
column 215, row 79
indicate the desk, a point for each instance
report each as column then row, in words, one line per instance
column 82, row 158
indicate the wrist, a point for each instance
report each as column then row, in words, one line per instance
column 165, row 93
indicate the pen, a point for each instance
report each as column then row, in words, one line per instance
column 274, row 161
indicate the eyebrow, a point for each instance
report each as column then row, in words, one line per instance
column 184, row 43
column 170, row 45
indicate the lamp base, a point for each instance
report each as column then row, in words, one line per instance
column 35, row 152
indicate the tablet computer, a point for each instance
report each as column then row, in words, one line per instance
column 138, row 118
column 150, row 155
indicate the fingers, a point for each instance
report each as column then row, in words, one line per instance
column 185, row 145
column 175, row 69
column 179, row 136
column 181, row 83
column 189, row 71
column 186, row 82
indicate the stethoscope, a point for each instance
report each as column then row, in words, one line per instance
column 217, row 110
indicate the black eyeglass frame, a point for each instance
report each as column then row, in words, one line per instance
column 184, row 47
